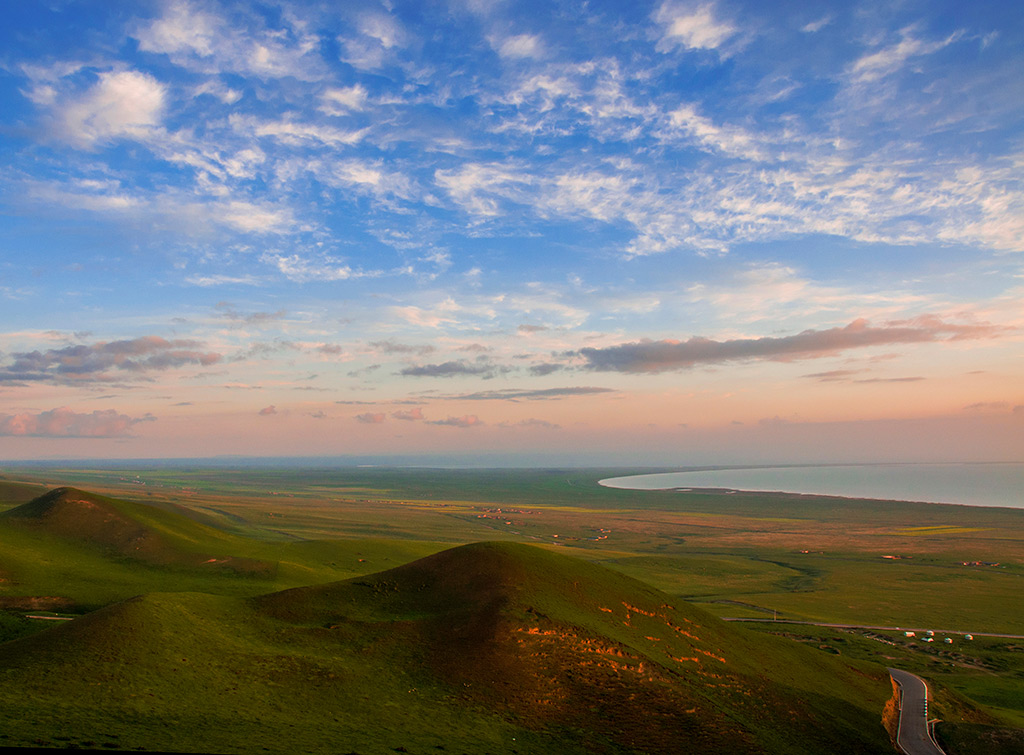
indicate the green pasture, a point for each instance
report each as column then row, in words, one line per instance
column 736, row 555
column 394, row 661
column 900, row 593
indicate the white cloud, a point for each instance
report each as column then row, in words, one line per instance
column 199, row 40
column 385, row 29
column 443, row 314
column 183, row 29
column 121, row 104
column 888, row 60
column 365, row 176
column 777, row 292
column 380, row 37
column 297, row 133
column 593, row 194
column 518, row 46
column 206, row 281
column 818, row 25
column 343, row 100
column 103, row 197
column 538, row 298
column 729, row 140
column 219, row 90
column 303, row 270
column 693, row 27
column 477, row 187
column 254, row 218
column 174, row 210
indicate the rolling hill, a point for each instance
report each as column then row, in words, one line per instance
column 69, row 549
column 490, row 647
column 132, row 530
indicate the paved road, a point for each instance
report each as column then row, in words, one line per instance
column 914, row 738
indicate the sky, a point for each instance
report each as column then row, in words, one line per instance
column 666, row 233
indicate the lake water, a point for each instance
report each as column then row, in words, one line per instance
column 970, row 484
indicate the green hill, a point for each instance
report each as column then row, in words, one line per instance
column 128, row 529
column 72, row 550
column 491, row 647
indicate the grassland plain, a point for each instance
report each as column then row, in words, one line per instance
column 804, row 557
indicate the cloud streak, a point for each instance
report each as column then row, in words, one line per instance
column 667, row 355
column 536, row 394
column 467, row 420
column 95, row 362
column 454, row 369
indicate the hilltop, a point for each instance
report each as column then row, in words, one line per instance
column 489, row 647
column 128, row 529
column 68, row 549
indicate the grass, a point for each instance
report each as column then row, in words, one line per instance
column 490, row 647
column 739, row 555
column 976, row 684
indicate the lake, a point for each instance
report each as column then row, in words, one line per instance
column 973, row 484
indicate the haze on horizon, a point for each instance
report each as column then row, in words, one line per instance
column 662, row 232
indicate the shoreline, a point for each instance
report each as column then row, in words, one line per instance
column 969, row 484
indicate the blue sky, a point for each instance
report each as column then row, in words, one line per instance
column 721, row 231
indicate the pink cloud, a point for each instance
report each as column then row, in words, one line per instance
column 532, row 422
column 371, row 418
column 268, row 410
column 411, row 415
column 468, row 420
column 660, row 356
column 65, row 423
column 93, row 362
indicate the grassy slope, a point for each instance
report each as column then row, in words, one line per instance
column 80, row 549
column 713, row 548
column 492, row 647
column 976, row 694
column 743, row 549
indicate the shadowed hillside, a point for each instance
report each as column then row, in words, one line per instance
column 15, row 493
column 483, row 648
column 559, row 641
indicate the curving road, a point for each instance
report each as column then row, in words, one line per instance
column 914, row 737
